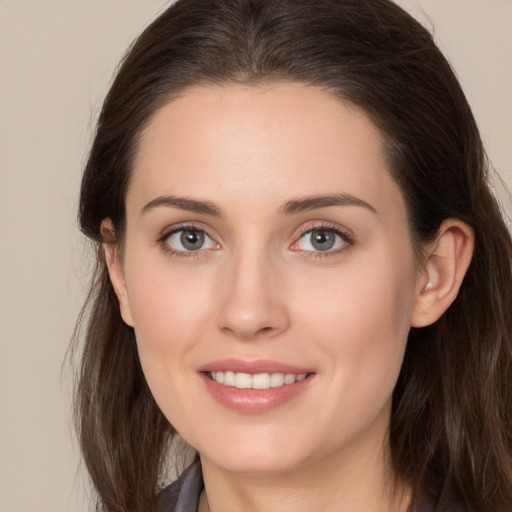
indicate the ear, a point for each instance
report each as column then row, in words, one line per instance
column 115, row 269
column 446, row 263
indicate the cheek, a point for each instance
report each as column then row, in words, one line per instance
column 165, row 302
column 171, row 313
column 361, row 321
column 169, row 316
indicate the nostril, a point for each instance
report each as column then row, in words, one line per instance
column 249, row 334
column 252, row 315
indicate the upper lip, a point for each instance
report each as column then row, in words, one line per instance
column 252, row 367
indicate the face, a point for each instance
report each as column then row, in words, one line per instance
column 269, row 275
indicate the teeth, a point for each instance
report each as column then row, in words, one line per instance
column 259, row 381
column 243, row 381
column 229, row 378
column 289, row 378
column 276, row 380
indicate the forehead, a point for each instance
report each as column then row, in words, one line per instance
column 257, row 142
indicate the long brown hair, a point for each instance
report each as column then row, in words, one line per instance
column 451, row 429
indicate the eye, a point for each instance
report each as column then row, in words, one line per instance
column 189, row 240
column 322, row 239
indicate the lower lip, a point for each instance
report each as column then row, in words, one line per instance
column 254, row 400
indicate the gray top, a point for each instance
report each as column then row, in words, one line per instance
column 183, row 494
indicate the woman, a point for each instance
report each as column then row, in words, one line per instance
column 301, row 269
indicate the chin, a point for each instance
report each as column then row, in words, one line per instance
column 264, row 457
column 254, row 466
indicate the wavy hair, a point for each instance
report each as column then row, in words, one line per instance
column 451, row 426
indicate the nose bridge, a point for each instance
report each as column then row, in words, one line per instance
column 251, row 304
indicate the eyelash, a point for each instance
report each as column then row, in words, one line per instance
column 176, row 252
column 347, row 238
column 345, row 235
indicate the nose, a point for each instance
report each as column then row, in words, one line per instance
column 252, row 299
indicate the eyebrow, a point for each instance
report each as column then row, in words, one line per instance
column 291, row 207
column 313, row 202
column 184, row 203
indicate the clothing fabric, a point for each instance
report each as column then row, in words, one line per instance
column 183, row 494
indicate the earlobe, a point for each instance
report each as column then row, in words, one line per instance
column 115, row 269
column 446, row 263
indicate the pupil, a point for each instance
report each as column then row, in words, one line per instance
column 192, row 240
column 322, row 240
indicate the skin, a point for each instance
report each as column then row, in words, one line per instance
column 258, row 289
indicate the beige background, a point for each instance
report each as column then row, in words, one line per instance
column 56, row 60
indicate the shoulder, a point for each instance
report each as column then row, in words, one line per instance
column 183, row 494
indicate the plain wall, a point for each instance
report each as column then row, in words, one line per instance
column 56, row 61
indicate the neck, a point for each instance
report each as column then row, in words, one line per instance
column 333, row 484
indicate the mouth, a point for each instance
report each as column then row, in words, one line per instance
column 255, row 386
column 242, row 380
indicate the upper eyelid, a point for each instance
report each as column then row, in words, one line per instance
column 343, row 232
column 326, row 226
column 192, row 226
column 167, row 247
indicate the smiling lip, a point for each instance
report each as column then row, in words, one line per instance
column 252, row 367
column 254, row 400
